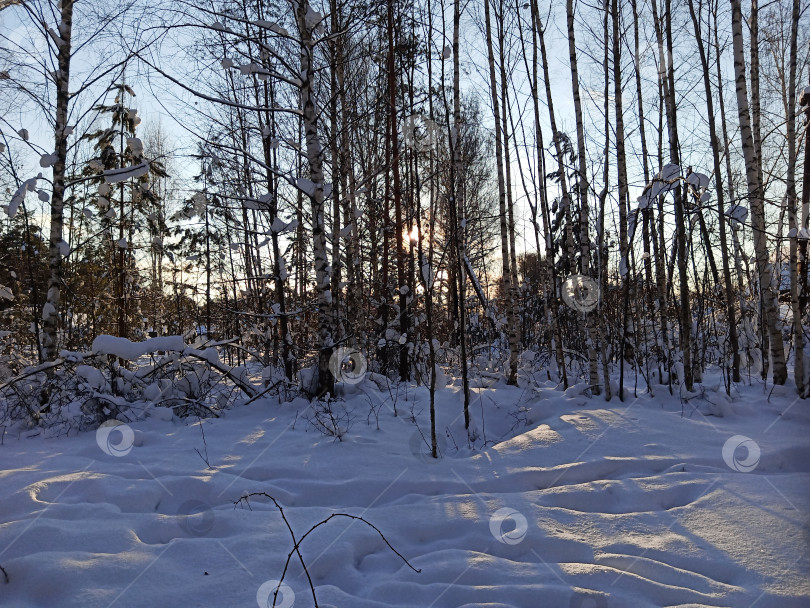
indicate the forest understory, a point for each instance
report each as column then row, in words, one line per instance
column 515, row 292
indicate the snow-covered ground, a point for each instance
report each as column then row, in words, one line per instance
column 582, row 503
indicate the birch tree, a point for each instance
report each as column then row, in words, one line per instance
column 797, row 262
column 508, row 287
column 756, row 200
column 719, row 192
column 306, row 20
column 46, row 84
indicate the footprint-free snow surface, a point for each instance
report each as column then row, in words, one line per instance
column 572, row 501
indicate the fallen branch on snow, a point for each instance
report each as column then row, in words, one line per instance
column 297, row 543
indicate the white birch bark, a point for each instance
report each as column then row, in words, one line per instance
column 50, row 313
column 505, row 254
column 756, row 201
column 581, row 187
column 314, row 153
column 799, row 364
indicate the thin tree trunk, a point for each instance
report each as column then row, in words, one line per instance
column 314, row 153
column 50, row 313
column 510, row 208
column 567, row 249
column 456, row 202
column 715, row 146
column 398, row 227
column 338, row 170
column 805, row 102
column 552, row 301
column 648, row 225
column 505, row 254
column 581, row 188
column 426, row 265
column 621, row 162
column 755, row 196
column 667, row 76
column 602, row 239
column 796, row 264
